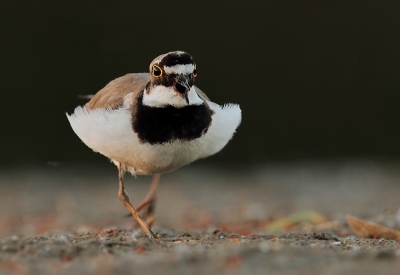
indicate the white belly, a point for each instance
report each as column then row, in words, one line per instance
column 110, row 133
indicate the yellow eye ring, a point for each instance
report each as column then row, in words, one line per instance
column 156, row 71
column 194, row 71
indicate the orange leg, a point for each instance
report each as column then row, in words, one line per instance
column 124, row 198
column 150, row 201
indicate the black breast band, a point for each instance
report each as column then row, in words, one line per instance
column 158, row 125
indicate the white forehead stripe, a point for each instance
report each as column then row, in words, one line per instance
column 179, row 69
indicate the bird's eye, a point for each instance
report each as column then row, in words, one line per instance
column 156, row 71
column 194, row 71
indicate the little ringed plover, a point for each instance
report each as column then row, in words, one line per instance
column 152, row 123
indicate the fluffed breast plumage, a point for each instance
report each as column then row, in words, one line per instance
column 105, row 125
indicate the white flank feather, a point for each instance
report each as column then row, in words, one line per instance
column 110, row 133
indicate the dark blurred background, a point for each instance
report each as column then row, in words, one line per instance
column 314, row 79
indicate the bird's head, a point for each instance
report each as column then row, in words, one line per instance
column 171, row 81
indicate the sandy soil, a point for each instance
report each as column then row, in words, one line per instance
column 67, row 219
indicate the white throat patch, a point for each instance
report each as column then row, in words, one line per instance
column 161, row 96
column 179, row 69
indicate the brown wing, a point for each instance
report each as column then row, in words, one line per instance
column 112, row 95
column 201, row 94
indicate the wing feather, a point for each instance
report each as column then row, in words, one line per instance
column 112, row 95
column 201, row 94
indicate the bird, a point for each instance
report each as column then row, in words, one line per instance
column 153, row 123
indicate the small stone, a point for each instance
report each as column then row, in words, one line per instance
column 133, row 237
column 14, row 238
column 62, row 238
column 264, row 247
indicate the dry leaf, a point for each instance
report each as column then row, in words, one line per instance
column 293, row 220
column 234, row 240
column 365, row 229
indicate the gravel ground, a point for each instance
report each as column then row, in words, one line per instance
column 67, row 219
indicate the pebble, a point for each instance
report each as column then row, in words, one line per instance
column 14, row 238
column 133, row 237
column 62, row 238
column 264, row 247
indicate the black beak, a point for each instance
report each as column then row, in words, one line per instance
column 182, row 87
